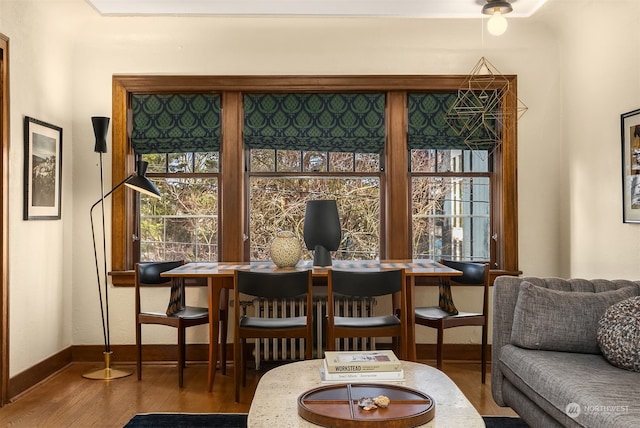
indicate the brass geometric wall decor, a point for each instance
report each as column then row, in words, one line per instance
column 480, row 112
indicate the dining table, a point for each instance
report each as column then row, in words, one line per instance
column 220, row 279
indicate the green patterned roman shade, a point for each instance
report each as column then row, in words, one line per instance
column 342, row 122
column 429, row 129
column 175, row 123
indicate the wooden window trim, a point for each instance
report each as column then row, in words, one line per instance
column 4, row 220
column 396, row 237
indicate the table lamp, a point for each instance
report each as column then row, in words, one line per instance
column 322, row 230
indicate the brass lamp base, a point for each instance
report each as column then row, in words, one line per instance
column 107, row 373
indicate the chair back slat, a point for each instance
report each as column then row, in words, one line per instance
column 472, row 273
column 149, row 273
column 366, row 283
column 273, row 285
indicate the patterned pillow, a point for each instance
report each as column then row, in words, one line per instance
column 619, row 334
column 554, row 320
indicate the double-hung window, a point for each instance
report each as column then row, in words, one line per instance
column 179, row 136
column 450, row 183
column 303, row 147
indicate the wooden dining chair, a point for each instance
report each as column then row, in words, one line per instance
column 270, row 285
column 367, row 284
column 177, row 314
column 446, row 315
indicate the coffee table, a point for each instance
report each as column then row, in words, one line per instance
column 275, row 403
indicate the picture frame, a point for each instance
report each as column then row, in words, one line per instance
column 42, row 170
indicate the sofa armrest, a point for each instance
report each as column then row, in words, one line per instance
column 505, row 296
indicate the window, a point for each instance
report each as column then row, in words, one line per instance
column 183, row 224
column 315, row 146
column 450, row 182
column 179, row 136
column 451, row 204
column 281, row 181
column 417, row 186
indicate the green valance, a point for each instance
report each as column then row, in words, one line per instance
column 430, row 126
column 175, row 123
column 336, row 122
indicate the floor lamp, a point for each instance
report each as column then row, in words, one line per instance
column 139, row 183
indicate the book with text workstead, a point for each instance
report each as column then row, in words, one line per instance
column 360, row 361
column 325, row 375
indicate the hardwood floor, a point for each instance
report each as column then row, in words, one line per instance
column 67, row 399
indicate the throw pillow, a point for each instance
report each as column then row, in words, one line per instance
column 555, row 320
column 619, row 334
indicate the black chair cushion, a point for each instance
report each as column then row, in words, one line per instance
column 190, row 312
column 273, row 323
column 366, row 322
column 436, row 313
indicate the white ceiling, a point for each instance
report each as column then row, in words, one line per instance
column 399, row 8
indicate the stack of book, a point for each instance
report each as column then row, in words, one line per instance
column 358, row 366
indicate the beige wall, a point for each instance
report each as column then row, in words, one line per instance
column 600, row 81
column 575, row 84
column 40, row 262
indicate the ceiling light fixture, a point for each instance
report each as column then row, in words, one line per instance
column 497, row 24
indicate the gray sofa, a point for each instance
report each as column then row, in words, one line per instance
column 546, row 362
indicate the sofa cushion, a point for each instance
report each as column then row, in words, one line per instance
column 619, row 334
column 555, row 320
column 576, row 389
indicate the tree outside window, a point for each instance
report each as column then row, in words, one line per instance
column 450, row 194
column 183, row 224
column 282, row 181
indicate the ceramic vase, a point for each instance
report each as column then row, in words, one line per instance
column 285, row 249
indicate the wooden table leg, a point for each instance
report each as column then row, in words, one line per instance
column 224, row 325
column 214, row 286
column 411, row 319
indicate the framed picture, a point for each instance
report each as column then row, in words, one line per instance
column 630, row 128
column 42, row 170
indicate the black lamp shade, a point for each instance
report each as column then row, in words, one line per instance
column 100, row 129
column 142, row 184
column 322, row 230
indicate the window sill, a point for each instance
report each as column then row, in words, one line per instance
column 126, row 278
column 123, row 278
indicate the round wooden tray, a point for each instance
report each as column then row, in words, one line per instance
column 337, row 406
